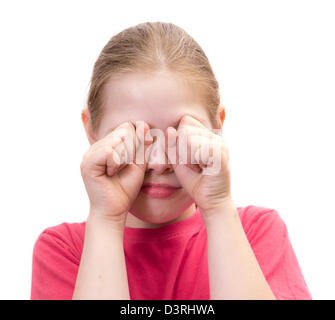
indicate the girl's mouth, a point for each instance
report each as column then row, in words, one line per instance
column 159, row 191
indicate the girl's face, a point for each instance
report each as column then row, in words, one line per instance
column 160, row 100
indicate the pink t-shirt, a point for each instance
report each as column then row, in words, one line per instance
column 169, row 262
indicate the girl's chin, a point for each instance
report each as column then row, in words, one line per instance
column 154, row 215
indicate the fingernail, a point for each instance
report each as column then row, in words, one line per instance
column 172, row 138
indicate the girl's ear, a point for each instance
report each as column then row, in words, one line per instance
column 86, row 119
column 222, row 115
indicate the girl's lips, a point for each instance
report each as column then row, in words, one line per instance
column 159, row 191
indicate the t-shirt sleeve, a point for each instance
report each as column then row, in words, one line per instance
column 268, row 236
column 54, row 266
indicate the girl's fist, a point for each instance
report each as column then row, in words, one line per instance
column 112, row 173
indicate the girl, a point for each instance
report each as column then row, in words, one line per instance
column 161, row 228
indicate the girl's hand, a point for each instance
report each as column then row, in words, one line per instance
column 111, row 180
column 205, row 175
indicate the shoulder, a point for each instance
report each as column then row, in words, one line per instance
column 252, row 214
column 258, row 220
column 56, row 257
column 64, row 236
column 269, row 239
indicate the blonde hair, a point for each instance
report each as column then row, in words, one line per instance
column 151, row 47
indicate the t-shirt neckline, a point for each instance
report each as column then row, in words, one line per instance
column 191, row 224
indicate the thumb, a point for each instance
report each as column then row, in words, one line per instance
column 187, row 176
column 187, row 173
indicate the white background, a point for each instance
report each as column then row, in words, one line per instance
column 274, row 61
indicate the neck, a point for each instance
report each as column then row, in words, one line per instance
column 135, row 222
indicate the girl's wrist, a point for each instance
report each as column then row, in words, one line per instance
column 98, row 220
column 226, row 209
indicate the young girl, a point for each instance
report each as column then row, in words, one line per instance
column 159, row 228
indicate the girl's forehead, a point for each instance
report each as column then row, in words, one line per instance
column 160, row 100
column 158, row 118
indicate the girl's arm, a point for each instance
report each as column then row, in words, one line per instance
column 102, row 271
column 234, row 272
column 112, row 186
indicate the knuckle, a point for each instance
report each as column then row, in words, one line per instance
column 82, row 165
column 83, row 168
column 107, row 150
column 84, row 159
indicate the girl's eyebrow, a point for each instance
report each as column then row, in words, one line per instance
column 175, row 125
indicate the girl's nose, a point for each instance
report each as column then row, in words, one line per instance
column 158, row 160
